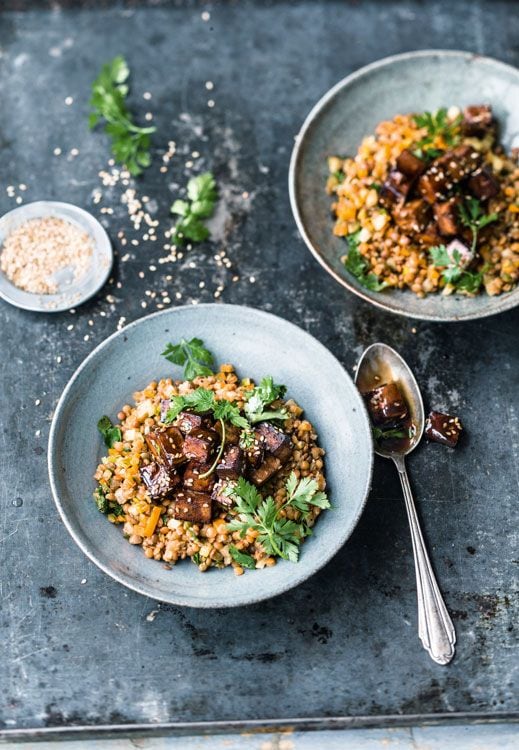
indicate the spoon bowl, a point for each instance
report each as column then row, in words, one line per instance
column 381, row 364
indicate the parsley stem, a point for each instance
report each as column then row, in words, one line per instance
column 219, row 455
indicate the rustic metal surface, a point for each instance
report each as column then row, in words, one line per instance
column 76, row 647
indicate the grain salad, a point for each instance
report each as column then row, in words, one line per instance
column 430, row 202
column 212, row 468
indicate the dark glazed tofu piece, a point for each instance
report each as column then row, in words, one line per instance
column 447, row 217
column 199, row 445
column 386, row 405
column 483, row 184
column 232, row 433
column 231, row 465
column 277, row 442
column 410, row 165
column 255, row 454
column 442, row 428
column 192, row 478
column 430, row 235
column 159, row 481
column 395, row 189
column 434, row 184
column 268, row 468
column 459, row 163
column 412, row 217
column 166, row 446
column 477, row 120
column 187, row 422
column 192, row 506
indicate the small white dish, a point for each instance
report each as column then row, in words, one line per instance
column 71, row 293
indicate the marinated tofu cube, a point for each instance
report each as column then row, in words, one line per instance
column 477, row 120
column 231, row 464
column 192, row 506
column 386, row 405
column 166, row 446
column 434, row 185
column 187, row 422
column 430, row 235
column 266, row 470
column 443, row 428
column 232, row 433
column 255, row 453
column 395, row 189
column 410, row 165
column 199, row 445
column 459, row 163
column 447, row 217
column 193, row 479
column 412, row 217
column 158, row 480
column 164, row 408
column 221, row 492
column 277, row 442
column 483, row 184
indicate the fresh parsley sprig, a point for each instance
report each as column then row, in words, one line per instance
column 246, row 561
column 379, row 434
column 192, row 355
column 130, row 143
column 110, row 433
column 358, row 266
column 260, row 397
column 437, row 124
column 104, row 505
column 276, row 534
column 452, row 270
column 202, row 195
column 473, row 217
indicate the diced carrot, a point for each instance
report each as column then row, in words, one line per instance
column 152, row 520
column 513, row 209
column 219, row 524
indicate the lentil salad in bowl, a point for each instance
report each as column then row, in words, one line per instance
column 329, row 455
column 446, row 254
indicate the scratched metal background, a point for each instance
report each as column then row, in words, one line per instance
column 77, row 648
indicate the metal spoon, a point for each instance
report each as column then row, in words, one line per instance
column 378, row 365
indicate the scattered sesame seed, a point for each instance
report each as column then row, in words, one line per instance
column 69, row 100
column 70, row 327
column 57, row 151
column 74, row 151
column 86, row 337
column 146, row 95
column 166, row 300
column 141, row 274
column 189, row 164
column 22, row 187
column 252, row 279
column 235, row 278
column 83, row 580
column 195, row 154
column 413, row 330
column 153, row 268
column 201, row 284
column 210, row 103
column 209, row 85
column 178, row 295
column 58, row 359
column 19, row 199
column 143, row 304
column 148, row 116
column 205, row 15
column 38, row 433
column 37, row 402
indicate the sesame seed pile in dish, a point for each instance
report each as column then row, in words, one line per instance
column 430, row 202
column 212, row 469
column 39, row 248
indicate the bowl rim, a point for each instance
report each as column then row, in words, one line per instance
column 177, row 599
column 65, row 300
column 507, row 301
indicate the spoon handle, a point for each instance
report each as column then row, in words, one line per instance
column 435, row 627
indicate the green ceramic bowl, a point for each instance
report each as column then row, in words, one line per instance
column 411, row 82
column 258, row 344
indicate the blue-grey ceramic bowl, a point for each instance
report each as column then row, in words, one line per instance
column 258, row 344
column 411, row 82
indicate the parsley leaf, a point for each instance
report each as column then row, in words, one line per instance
column 260, row 397
column 277, row 535
column 472, row 216
column 246, row 561
column 104, row 505
column 379, row 434
column 110, row 433
column 358, row 266
column 202, row 194
column 453, row 272
column 192, row 355
column 202, row 400
column 130, row 143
